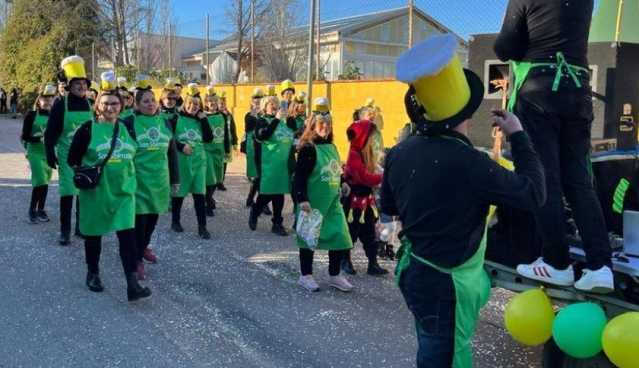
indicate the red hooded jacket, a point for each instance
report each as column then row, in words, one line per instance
column 355, row 171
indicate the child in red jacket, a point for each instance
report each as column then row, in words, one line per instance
column 360, row 173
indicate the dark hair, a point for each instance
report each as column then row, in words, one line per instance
column 107, row 93
column 139, row 94
column 356, row 115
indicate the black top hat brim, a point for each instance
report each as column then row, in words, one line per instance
column 476, row 98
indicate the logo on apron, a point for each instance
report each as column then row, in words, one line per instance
column 331, row 172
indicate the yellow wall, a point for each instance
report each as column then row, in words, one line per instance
column 344, row 97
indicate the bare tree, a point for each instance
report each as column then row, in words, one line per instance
column 239, row 11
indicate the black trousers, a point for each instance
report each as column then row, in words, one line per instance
column 210, row 191
column 277, row 201
column 365, row 232
column 144, row 227
column 128, row 251
column 559, row 125
column 250, row 198
column 198, row 203
column 66, row 206
column 334, row 259
column 38, row 198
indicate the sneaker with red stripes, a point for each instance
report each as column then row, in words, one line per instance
column 542, row 271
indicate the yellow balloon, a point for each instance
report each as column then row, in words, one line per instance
column 529, row 317
column 621, row 340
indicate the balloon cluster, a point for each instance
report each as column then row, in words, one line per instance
column 580, row 330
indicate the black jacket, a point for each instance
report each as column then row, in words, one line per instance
column 55, row 125
column 263, row 131
column 27, row 125
column 230, row 121
column 535, row 30
column 306, row 160
column 441, row 189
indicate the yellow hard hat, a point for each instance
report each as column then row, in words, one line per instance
column 257, row 93
column 49, row 90
column 287, row 85
column 193, row 90
column 108, row 81
column 73, row 67
column 320, row 104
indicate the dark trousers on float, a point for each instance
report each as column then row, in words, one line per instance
column 66, row 206
column 198, row 203
column 559, row 125
column 38, row 198
column 334, row 260
column 430, row 296
column 144, row 227
column 365, row 232
column 277, row 202
column 128, row 251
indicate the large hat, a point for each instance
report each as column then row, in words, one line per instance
column 270, row 90
column 300, row 98
column 122, row 82
column 48, row 90
column 193, row 90
column 142, row 81
column 108, row 81
column 73, row 67
column 287, row 85
column 95, row 86
column 257, row 93
column 210, row 91
column 448, row 93
column 370, row 102
column 320, row 105
column 171, row 84
column 222, row 95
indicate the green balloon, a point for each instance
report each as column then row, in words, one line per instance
column 578, row 329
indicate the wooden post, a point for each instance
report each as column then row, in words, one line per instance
column 311, row 33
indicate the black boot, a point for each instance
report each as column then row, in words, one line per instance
column 33, row 217
column 134, row 291
column 221, row 187
column 176, row 208
column 252, row 222
column 177, row 227
column 279, row 229
column 209, row 211
column 65, row 238
column 375, row 269
column 42, row 216
column 203, row 233
column 347, row 266
column 94, row 283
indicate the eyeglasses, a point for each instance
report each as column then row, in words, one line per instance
column 110, row 104
column 322, row 113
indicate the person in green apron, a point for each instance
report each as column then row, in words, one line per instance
column 441, row 188
column 275, row 160
column 317, row 185
column 230, row 145
column 547, row 42
column 248, row 146
column 110, row 206
column 67, row 114
column 297, row 116
column 191, row 131
column 287, row 92
column 215, row 152
column 156, row 170
column 35, row 122
column 127, row 97
column 168, row 100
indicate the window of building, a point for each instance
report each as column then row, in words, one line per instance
column 495, row 70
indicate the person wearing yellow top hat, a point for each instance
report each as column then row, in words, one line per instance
column 67, row 114
column 93, row 92
column 123, row 90
column 215, row 152
column 178, row 90
column 35, row 121
column 109, row 204
column 248, row 146
column 169, row 99
column 191, row 131
column 440, row 269
column 297, row 115
column 287, row 91
column 230, row 145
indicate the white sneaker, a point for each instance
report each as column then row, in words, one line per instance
column 308, row 283
column 340, row 283
column 599, row 281
column 542, row 271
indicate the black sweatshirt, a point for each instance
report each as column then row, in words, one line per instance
column 27, row 126
column 55, row 126
column 535, row 30
column 441, row 189
column 230, row 120
column 306, row 159
column 264, row 131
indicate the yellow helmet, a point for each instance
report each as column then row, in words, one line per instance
column 320, row 104
column 193, row 90
column 73, row 67
column 287, row 85
column 257, row 93
column 49, row 90
column 108, row 81
column 270, row 90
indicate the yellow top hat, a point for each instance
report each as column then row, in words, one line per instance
column 320, row 104
column 122, row 82
column 48, row 90
column 142, row 81
column 222, row 95
column 270, row 90
column 257, row 93
column 94, row 86
column 286, row 85
column 300, row 98
column 171, row 84
column 448, row 94
column 108, row 81
column 210, row 91
column 193, row 90
column 73, row 67
column 370, row 102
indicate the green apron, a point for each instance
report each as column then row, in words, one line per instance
column 166, row 115
column 72, row 121
column 251, row 168
column 111, row 205
column 275, row 154
column 151, row 165
column 192, row 167
column 40, row 170
column 299, row 122
column 215, row 150
column 521, row 69
column 324, row 185
column 128, row 111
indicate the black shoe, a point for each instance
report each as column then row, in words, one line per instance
column 347, row 267
column 94, row 283
column 267, row 211
column 253, row 219
column 203, row 233
column 134, row 290
column 33, row 218
column 209, row 212
column 221, row 187
column 213, row 204
column 42, row 216
column 177, row 227
column 64, row 239
column 279, row 230
column 78, row 233
column 374, row 269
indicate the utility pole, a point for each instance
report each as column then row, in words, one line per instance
column 170, row 50
column 318, row 66
column 410, row 23
column 207, row 50
column 93, row 61
column 252, row 41
column 311, row 33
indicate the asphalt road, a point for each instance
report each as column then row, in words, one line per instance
column 231, row 301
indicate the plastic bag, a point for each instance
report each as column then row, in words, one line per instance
column 309, row 226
